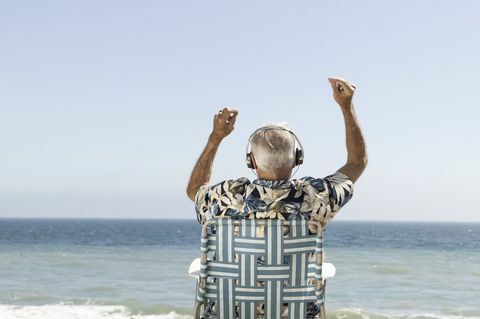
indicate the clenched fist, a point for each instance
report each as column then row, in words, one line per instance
column 342, row 91
column 224, row 122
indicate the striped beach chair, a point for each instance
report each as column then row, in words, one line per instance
column 247, row 262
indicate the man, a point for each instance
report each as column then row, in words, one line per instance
column 273, row 156
column 273, row 194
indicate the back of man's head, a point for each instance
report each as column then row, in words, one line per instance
column 273, row 147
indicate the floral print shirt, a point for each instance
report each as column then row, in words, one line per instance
column 308, row 198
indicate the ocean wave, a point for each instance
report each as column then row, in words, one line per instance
column 352, row 313
column 71, row 311
column 65, row 311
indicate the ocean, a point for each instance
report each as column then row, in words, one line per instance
column 137, row 269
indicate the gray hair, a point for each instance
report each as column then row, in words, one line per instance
column 273, row 148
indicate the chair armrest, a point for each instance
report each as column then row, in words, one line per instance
column 328, row 270
column 194, row 269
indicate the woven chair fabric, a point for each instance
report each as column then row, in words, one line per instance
column 237, row 285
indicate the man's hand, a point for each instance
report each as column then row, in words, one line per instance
column 224, row 122
column 342, row 91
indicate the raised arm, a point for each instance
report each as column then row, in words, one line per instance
column 223, row 124
column 357, row 154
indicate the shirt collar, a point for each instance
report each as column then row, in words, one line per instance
column 284, row 183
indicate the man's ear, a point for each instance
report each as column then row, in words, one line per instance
column 253, row 161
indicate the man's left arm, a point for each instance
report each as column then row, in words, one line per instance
column 223, row 125
column 357, row 158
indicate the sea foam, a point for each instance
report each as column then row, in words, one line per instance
column 68, row 311
column 63, row 311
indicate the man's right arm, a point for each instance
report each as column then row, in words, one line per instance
column 223, row 125
column 357, row 155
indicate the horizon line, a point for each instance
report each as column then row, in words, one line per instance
column 194, row 219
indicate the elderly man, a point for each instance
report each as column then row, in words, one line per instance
column 275, row 151
column 274, row 155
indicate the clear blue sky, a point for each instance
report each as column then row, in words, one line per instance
column 106, row 105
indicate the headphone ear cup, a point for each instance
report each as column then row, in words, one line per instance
column 298, row 157
column 248, row 160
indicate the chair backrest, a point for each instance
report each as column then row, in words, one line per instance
column 252, row 266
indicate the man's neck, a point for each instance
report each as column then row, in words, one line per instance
column 277, row 175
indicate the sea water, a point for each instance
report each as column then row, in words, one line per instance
column 100, row 268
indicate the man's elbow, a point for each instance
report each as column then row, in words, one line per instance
column 359, row 162
column 191, row 194
column 354, row 169
column 364, row 161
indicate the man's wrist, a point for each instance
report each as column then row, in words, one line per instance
column 215, row 138
column 347, row 108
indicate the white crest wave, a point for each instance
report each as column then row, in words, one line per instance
column 63, row 311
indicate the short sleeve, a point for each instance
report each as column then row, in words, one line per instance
column 216, row 200
column 203, row 198
column 340, row 190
